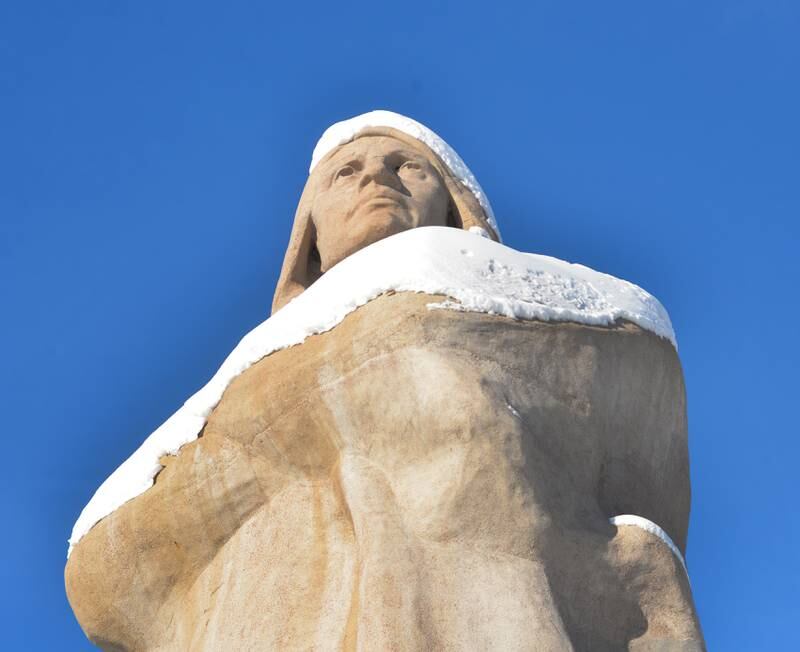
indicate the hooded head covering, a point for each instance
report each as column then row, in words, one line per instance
column 468, row 206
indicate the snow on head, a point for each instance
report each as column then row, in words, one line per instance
column 477, row 273
column 346, row 130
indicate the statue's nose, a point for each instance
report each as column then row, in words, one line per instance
column 377, row 170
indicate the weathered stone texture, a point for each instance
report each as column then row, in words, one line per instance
column 414, row 479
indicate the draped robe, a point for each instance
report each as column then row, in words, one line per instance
column 413, row 479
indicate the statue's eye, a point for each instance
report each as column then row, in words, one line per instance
column 409, row 165
column 346, row 171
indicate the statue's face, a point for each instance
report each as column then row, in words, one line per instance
column 372, row 188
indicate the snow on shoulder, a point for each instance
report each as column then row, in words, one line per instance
column 343, row 132
column 476, row 273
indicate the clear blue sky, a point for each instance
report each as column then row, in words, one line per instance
column 152, row 154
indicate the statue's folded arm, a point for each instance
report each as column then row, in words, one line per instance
column 403, row 451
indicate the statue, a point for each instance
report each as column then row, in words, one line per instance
column 416, row 470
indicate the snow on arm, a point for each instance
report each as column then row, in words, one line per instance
column 648, row 526
column 476, row 273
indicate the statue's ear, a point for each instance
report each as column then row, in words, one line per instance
column 301, row 265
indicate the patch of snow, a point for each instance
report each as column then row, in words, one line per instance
column 479, row 230
column 476, row 273
column 343, row 132
column 513, row 410
column 648, row 526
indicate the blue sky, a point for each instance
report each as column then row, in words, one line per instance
column 152, row 155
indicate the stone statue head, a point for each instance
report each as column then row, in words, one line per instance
column 382, row 181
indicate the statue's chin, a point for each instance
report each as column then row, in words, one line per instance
column 372, row 227
column 383, row 218
column 388, row 222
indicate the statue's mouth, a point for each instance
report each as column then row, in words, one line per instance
column 383, row 199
